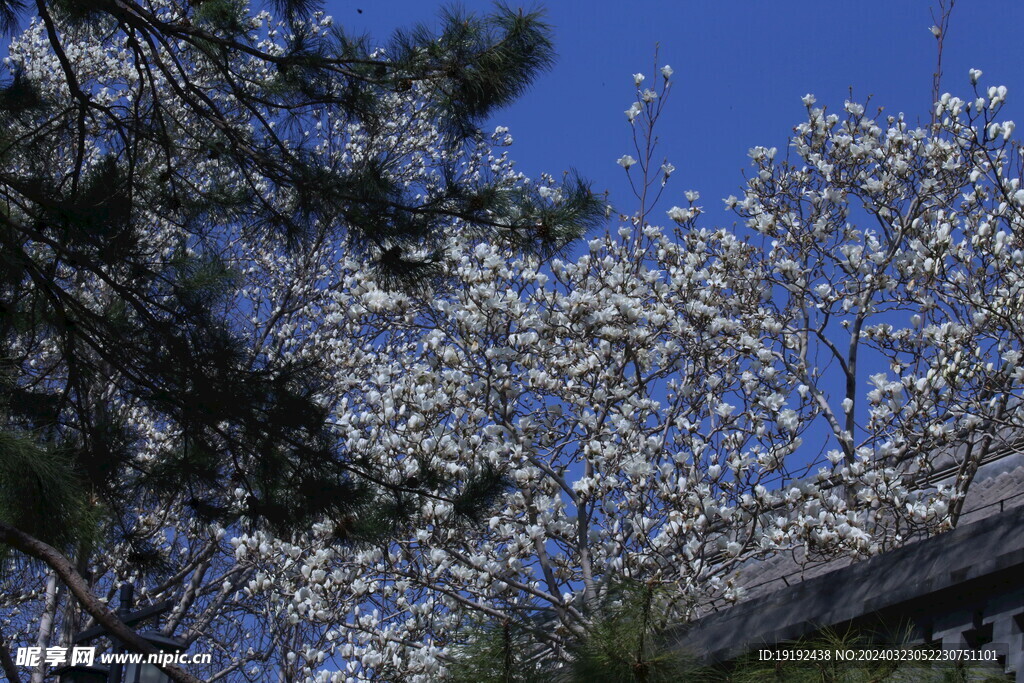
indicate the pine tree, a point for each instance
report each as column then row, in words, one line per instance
column 143, row 147
column 85, row 170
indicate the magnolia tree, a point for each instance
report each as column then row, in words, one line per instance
column 642, row 410
column 651, row 411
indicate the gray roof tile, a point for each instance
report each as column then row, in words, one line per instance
column 998, row 486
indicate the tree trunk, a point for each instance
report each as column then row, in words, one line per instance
column 46, row 626
column 7, row 663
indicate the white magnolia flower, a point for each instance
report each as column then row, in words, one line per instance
column 666, row 72
column 679, row 214
column 638, row 79
column 625, row 161
column 634, row 111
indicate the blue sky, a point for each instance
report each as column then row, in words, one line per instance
column 741, row 68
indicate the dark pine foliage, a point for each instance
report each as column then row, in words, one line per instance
column 160, row 336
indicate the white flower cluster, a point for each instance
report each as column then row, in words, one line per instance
column 642, row 408
column 647, row 403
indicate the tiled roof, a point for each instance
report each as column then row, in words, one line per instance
column 998, row 486
column 943, row 589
